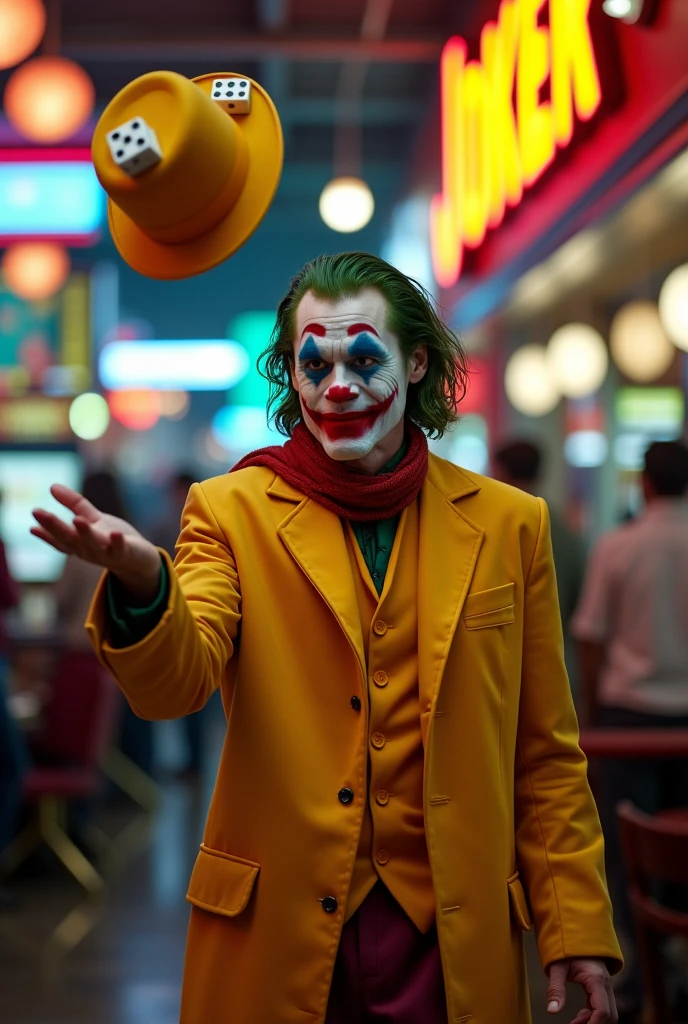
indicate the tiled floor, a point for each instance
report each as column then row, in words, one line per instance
column 126, row 966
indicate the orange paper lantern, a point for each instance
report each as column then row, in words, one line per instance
column 48, row 99
column 35, row 270
column 22, row 24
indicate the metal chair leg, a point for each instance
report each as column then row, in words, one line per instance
column 131, row 779
column 63, row 847
column 14, row 855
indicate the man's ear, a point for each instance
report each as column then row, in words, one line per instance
column 418, row 364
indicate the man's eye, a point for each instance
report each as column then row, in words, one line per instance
column 316, row 365
column 363, row 362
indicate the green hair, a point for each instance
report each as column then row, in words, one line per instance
column 433, row 402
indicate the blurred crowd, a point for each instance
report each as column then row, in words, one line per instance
column 624, row 609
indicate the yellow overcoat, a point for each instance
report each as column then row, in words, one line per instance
column 263, row 605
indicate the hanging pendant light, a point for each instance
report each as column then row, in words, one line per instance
column 48, row 99
column 22, row 24
column 346, row 204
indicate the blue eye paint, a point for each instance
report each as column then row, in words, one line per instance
column 311, row 351
column 365, row 345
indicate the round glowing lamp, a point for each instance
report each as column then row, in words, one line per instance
column 89, row 416
column 48, row 99
column 22, row 24
column 673, row 306
column 137, row 410
column 346, row 204
column 577, row 360
column 174, row 404
column 527, row 381
column 35, row 270
column 638, row 342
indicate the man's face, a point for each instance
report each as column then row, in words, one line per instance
column 349, row 372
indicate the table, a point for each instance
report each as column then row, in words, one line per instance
column 635, row 744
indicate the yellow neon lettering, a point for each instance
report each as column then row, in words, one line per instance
column 446, row 213
column 476, row 177
column 575, row 79
column 535, row 130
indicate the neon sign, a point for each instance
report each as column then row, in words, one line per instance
column 498, row 133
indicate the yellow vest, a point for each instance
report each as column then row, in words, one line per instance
column 392, row 846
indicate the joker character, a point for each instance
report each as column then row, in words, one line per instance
column 401, row 792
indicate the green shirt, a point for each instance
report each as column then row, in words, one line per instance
column 129, row 624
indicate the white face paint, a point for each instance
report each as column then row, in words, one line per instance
column 349, row 372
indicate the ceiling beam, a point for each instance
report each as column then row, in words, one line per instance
column 219, row 49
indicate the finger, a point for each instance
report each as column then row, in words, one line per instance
column 57, row 528
column 117, row 544
column 582, row 1017
column 556, row 992
column 42, row 534
column 75, row 502
column 95, row 540
column 599, row 1001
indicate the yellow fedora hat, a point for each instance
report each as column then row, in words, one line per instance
column 212, row 175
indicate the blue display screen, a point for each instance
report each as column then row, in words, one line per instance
column 50, row 198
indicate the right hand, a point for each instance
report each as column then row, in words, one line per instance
column 102, row 540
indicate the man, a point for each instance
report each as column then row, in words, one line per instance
column 519, row 463
column 401, row 764
column 632, row 628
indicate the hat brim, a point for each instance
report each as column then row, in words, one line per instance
column 169, row 261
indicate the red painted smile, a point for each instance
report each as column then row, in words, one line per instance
column 341, row 426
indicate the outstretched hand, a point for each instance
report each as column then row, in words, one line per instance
column 101, row 539
column 592, row 974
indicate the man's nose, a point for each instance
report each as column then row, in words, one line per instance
column 341, row 392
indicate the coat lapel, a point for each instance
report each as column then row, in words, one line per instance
column 315, row 538
column 449, row 546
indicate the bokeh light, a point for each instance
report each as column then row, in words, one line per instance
column 529, row 386
column 22, row 24
column 89, row 416
column 673, row 306
column 346, row 204
column 35, row 270
column 174, row 404
column 137, row 410
column 48, row 99
column 638, row 342
column 577, row 359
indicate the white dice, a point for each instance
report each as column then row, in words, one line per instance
column 233, row 94
column 134, row 146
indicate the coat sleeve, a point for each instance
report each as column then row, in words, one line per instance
column 559, row 842
column 175, row 668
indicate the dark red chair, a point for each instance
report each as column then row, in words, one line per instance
column 79, row 727
column 655, row 849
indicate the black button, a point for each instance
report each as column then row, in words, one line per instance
column 329, row 904
column 355, row 703
column 346, row 795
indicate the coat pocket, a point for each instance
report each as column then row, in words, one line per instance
column 519, row 904
column 493, row 607
column 220, row 882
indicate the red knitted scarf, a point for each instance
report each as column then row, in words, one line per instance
column 347, row 492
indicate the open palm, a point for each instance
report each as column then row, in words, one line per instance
column 99, row 538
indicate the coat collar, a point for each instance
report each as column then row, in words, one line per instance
column 448, row 553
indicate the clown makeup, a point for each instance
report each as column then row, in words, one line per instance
column 350, row 372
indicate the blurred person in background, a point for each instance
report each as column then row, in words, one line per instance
column 519, row 463
column 632, row 631
column 73, row 594
column 13, row 754
column 164, row 534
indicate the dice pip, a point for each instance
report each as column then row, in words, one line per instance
column 233, row 94
column 134, row 146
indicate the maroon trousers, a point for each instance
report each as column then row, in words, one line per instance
column 386, row 971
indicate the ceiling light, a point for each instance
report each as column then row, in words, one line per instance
column 577, row 359
column 673, row 306
column 89, row 416
column 528, row 384
column 22, row 24
column 346, row 204
column 35, row 270
column 638, row 342
column 617, row 8
column 48, row 99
